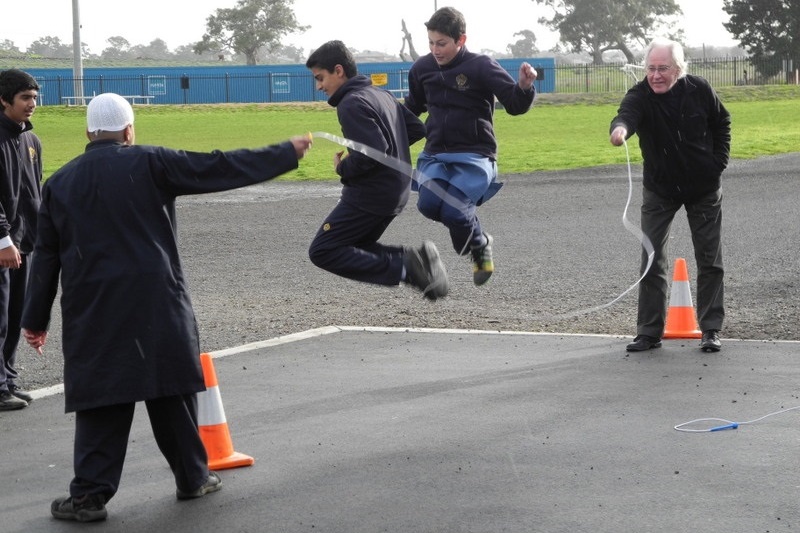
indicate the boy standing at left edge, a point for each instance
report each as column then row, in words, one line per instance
column 20, row 195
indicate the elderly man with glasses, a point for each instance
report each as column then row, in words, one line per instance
column 684, row 135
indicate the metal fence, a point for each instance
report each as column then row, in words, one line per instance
column 720, row 72
column 297, row 84
column 181, row 89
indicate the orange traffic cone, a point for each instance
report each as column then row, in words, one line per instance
column 213, row 425
column 681, row 318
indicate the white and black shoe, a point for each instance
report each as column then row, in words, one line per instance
column 212, row 484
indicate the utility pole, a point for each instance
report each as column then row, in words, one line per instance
column 77, row 60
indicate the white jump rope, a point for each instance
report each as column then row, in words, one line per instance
column 433, row 186
column 726, row 424
column 406, row 169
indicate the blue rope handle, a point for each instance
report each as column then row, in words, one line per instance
column 728, row 424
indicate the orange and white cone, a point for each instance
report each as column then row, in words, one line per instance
column 213, row 425
column 681, row 317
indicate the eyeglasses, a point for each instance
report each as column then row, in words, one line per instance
column 661, row 69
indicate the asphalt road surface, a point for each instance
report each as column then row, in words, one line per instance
column 562, row 254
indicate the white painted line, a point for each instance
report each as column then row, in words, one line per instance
column 327, row 330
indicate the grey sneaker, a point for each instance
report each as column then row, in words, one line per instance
column 87, row 508
column 425, row 270
column 212, row 484
column 439, row 285
column 9, row 402
column 482, row 263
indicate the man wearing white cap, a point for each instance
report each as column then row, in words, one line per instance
column 107, row 226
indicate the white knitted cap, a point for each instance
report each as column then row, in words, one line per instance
column 108, row 112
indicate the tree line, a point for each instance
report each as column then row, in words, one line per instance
column 253, row 32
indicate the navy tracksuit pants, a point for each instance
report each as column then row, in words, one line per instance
column 347, row 245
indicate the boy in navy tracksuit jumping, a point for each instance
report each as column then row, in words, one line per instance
column 457, row 171
column 373, row 194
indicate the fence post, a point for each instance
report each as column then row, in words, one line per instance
column 586, row 74
column 184, row 86
column 227, row 88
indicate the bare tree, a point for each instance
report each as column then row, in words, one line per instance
column 407, row 39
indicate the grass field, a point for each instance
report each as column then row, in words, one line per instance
column 560, row 132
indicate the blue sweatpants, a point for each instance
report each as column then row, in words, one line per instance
column 443, row 202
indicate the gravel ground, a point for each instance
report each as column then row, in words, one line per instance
column 562, row 255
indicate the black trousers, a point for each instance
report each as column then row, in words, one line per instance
column 347, row 244
column 705, row 223
column 101, row 442
column 12, row 298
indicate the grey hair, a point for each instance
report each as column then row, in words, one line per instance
column 675, row 49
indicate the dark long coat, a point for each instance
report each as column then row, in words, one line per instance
column 107, row 225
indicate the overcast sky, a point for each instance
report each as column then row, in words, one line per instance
column 180, row 23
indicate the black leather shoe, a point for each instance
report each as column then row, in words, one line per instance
column 710, row 341
column 643, row 342
column 19, row 393
column 9, row 402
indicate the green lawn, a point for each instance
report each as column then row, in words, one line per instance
column 554, row 135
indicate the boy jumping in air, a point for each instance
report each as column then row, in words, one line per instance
column 373, row 194
column 457, row 170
